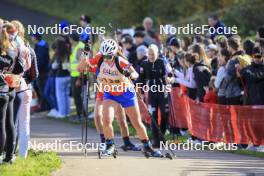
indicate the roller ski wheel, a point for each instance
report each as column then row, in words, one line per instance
column 109, row 151
column 149, row 152
column 99, row 154
column 115, row 153
column 130, row 147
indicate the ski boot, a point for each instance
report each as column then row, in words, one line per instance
column 109, row 150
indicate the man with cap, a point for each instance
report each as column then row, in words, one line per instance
column 174, row 45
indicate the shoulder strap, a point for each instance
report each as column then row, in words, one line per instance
column 118, row 65
column 100, row 63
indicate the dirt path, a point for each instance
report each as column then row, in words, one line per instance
column 132, row 163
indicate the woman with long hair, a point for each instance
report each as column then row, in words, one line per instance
column 202, row 57
column 14, row 65
column 23, row 93
column 63, row 79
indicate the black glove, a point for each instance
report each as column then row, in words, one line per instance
column 87, row 47
column 126, row 73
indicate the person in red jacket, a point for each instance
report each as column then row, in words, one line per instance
column 210, row 95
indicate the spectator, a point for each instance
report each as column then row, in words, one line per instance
column 42, row 53
column 10, row 51
column 139, row 38
column 207, row 42
column 220, row 83
column 210, row 93
column 253, row 76
column 221, row 42
column 174, row 45
column 213, row 21
column 152, row 74
column 198, row 39
column 128, row 44
column 142, row 52
column 186, row 42
column 151, row 36
column 23, row 93
column 76, row 84
column 201, row 71
column 50, row 87
column 248, row 47
column 260, row 32
column 233, row 89
column 62, row 81
column 188, row 78
column 211, row 52
column 261, row 44
column 85, row 24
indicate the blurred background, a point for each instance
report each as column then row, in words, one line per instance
column 247, row 15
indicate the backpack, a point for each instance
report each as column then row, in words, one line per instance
column 32, row 73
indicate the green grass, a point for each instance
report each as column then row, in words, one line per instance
column 37, row 164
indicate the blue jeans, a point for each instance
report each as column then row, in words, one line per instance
column 63, row 95
column 50, row 92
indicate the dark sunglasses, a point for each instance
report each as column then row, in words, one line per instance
column 108, row 57
column 257, row 56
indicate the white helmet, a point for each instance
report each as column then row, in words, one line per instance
column 109, row 47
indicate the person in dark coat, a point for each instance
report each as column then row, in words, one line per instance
column 253, row 78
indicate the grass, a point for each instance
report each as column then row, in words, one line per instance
column 36, row 164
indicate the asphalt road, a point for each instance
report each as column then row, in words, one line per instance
column 44, row 130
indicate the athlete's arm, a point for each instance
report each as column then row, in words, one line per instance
column 87, row 63
column 133, row 73
column 128, row 68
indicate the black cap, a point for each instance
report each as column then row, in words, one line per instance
column 127, row 39
column 174, row 42
column 140, row 34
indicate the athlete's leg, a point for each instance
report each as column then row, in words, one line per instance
column 121, row 120
column 135, row 119
column 108, row 117
column 98, row 118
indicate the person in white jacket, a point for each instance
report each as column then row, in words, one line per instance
column 23, row 94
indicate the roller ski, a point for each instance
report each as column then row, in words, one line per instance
column 109, row 150
column 150, row 152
